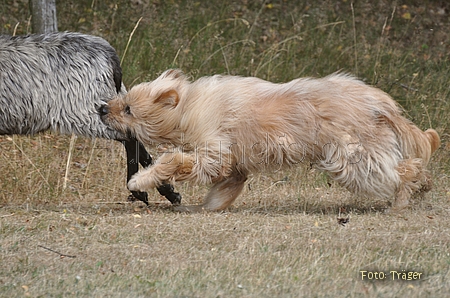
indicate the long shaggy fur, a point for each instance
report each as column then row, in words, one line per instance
column 58, row 81
column 225, row 127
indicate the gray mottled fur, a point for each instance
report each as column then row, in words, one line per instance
column 57, row 81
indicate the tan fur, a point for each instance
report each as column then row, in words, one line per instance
column 224, row 127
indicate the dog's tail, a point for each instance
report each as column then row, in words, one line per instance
column 433, row 138
column 414, row 142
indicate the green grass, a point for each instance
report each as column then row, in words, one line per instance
column 281, row 238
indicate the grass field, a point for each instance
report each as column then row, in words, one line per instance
column 281, row 238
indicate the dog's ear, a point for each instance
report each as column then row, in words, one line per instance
column 169, row 98
column 172, row 74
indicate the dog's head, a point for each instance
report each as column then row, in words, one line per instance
column 148, row 111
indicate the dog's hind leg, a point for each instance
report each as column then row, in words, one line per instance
column 220, row 196
column 136, row 154
column 414, row 179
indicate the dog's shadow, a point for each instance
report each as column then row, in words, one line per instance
column 338, row 204
column 318, row 208
column 341, row 207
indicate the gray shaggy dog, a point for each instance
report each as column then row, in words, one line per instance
column 58, row 81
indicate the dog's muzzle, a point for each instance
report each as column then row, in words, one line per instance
column 103, row 110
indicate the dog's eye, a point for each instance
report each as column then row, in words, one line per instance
column 127, row 110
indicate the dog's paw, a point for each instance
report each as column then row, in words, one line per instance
column 142, row 181
column 133, row 184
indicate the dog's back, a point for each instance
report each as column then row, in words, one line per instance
column 57, row 81
column 303, row 110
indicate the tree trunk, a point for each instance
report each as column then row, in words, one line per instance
column 43, row 16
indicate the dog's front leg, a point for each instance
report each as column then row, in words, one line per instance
column 136, row 154
column 165, row 190
column 168, row 167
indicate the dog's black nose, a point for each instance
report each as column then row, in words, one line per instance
column 104, row 110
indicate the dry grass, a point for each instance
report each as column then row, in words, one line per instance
column 282, row 237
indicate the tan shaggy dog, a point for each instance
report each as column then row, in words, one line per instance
column 222, row 128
